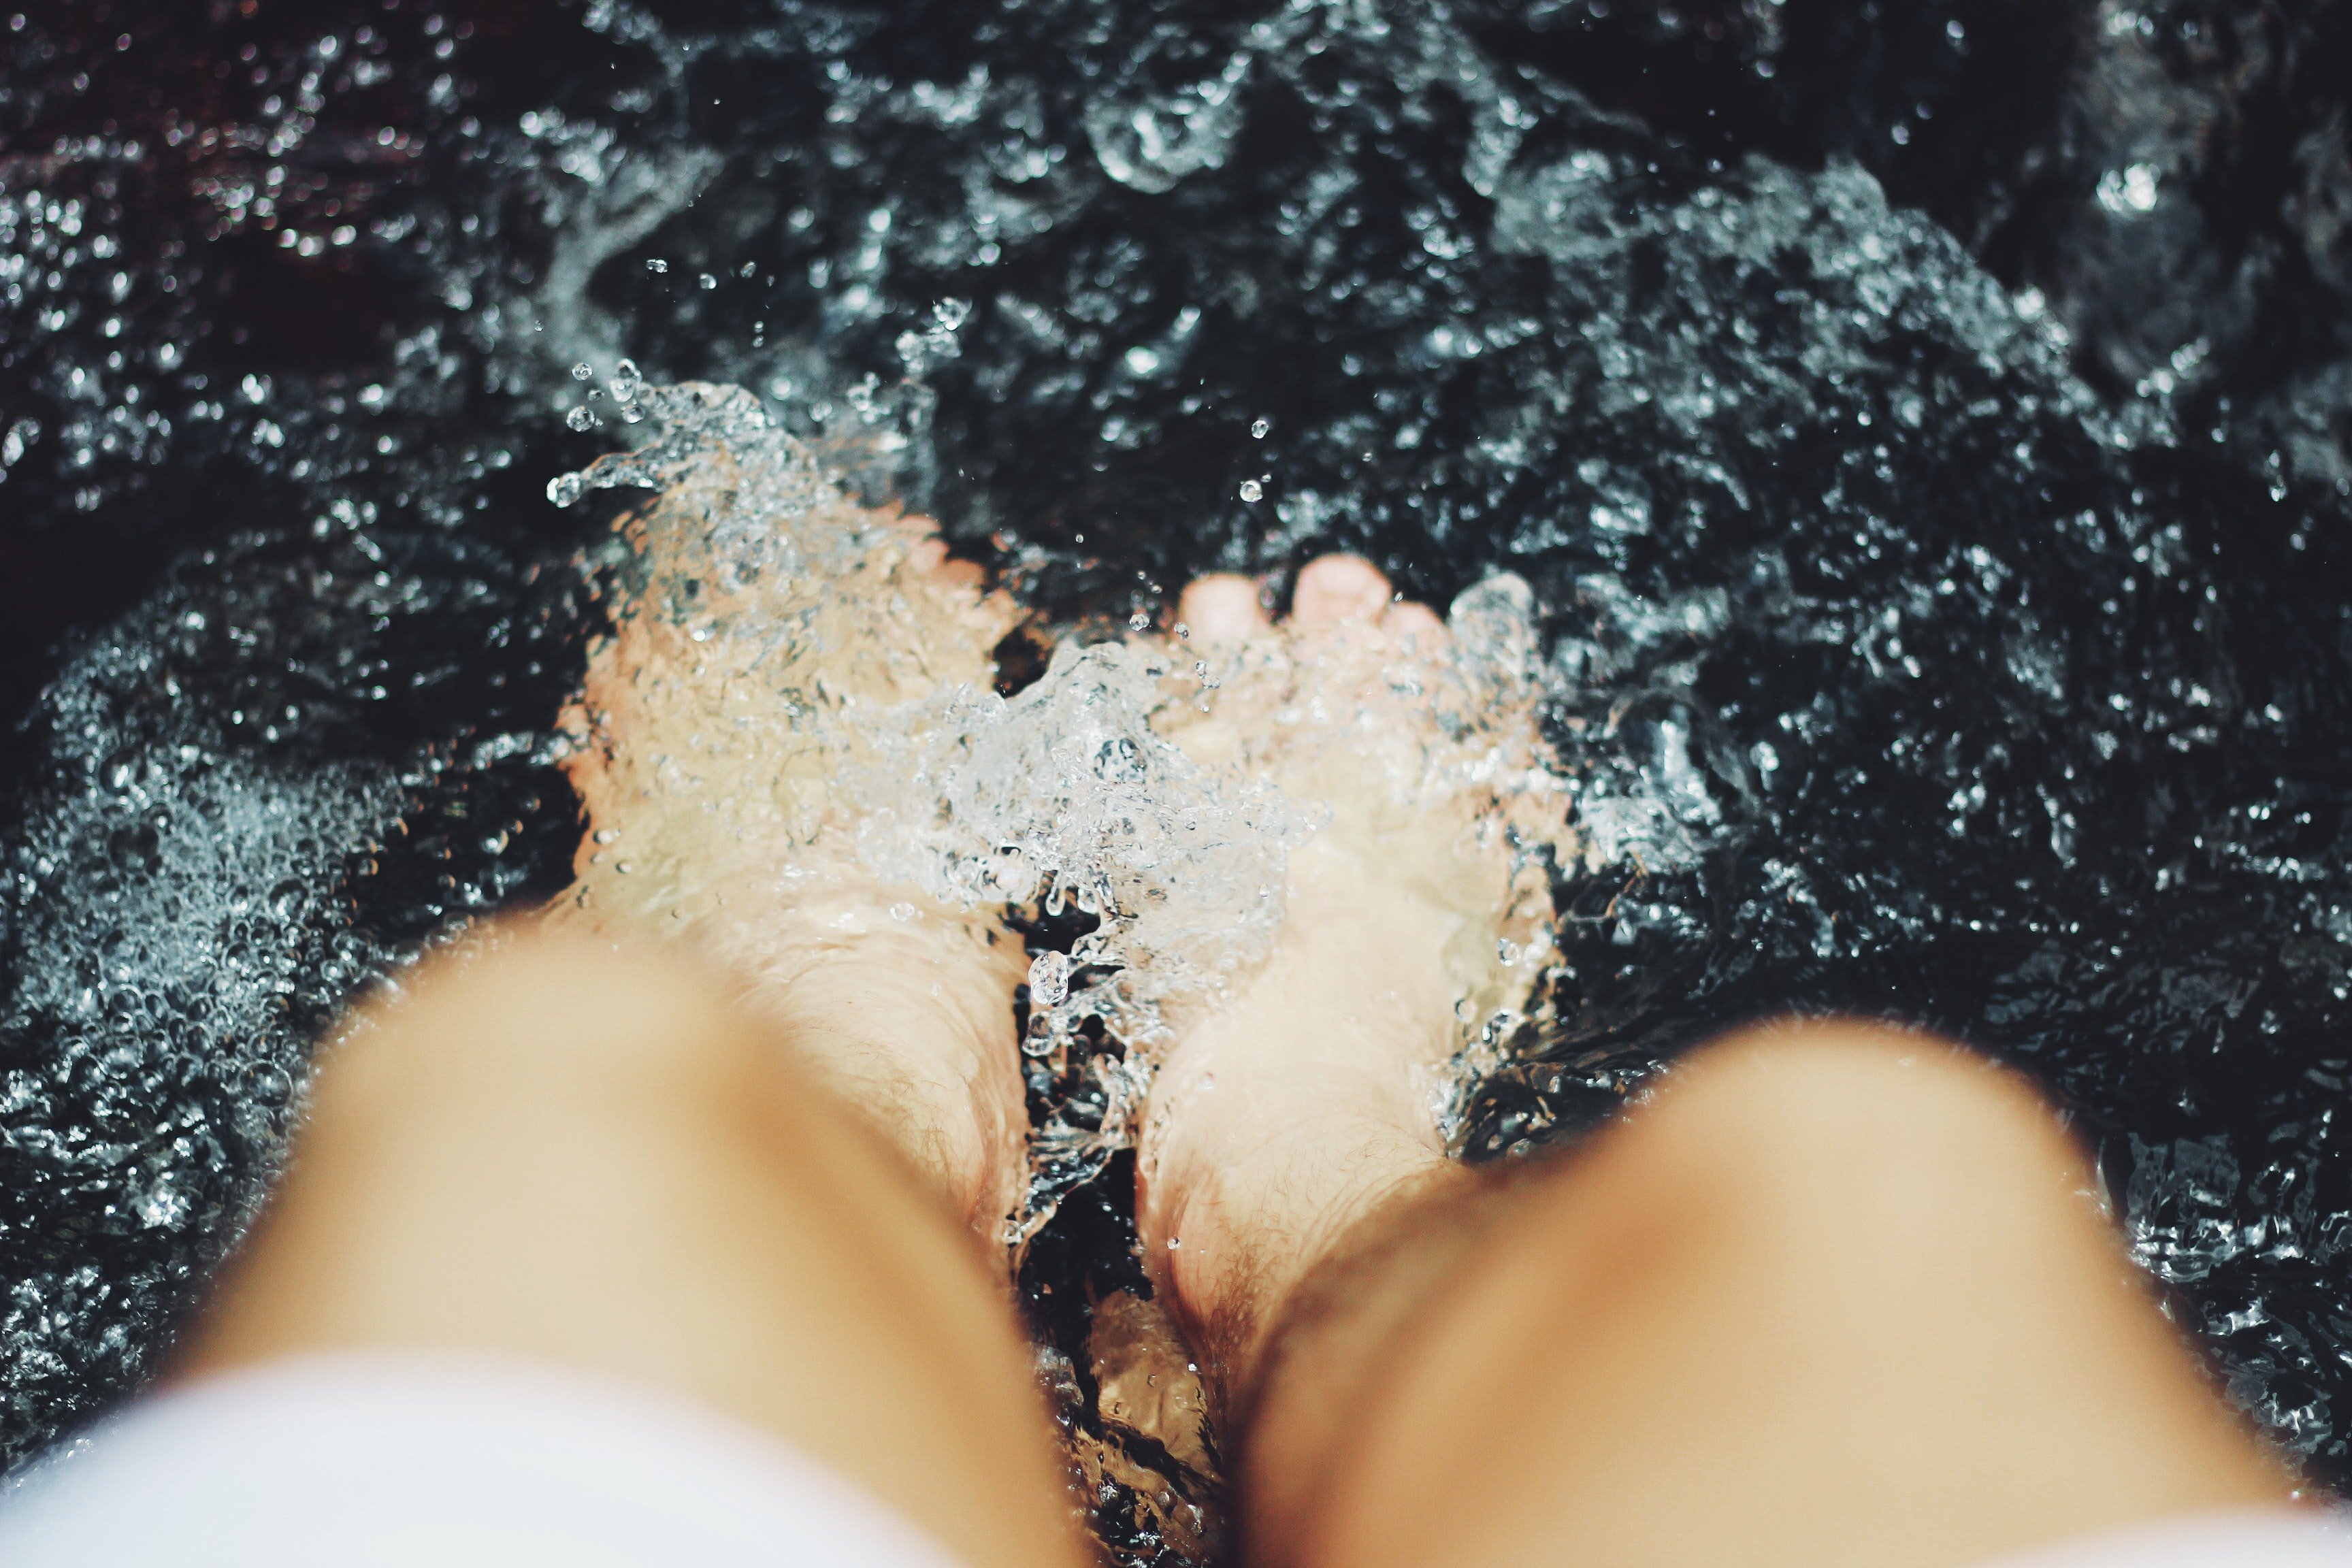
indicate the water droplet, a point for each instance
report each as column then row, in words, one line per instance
column 626, row 379
column 1258, row 430
column 583, row 418
column 708, row 282
column 565, row 489
column 1139, row 621
column 581, row 372
column 1252, row 490
column 656, row 264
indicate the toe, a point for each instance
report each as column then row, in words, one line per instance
column 927, row 557
column 1415, row 623
column 1336, row 589
column 1221, row 608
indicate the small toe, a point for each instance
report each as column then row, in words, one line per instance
column 1224, row 607
column 1336, row 589
column 927, row 557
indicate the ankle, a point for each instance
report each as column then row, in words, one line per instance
column 1233, row 1229
column 914, row 1030
column 1283, row 1122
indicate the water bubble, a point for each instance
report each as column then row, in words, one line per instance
column 162, row 1205
column 1252, row 490
column 1049, row 979
column 2129, row 192
column 1148, row 144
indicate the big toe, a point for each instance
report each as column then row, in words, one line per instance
column 1222, row 607
column 1334, row 590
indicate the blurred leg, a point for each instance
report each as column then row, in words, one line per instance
column 584, row 1155
column 1838, row 1296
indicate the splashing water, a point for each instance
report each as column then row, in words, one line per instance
column 1060, row 796
column 1063, row 797
column 1942, row 570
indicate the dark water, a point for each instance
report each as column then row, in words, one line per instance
column 1929, row 425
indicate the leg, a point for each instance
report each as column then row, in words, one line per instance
column 569, row 1152
column 776, row 1184
column 1838, row 1295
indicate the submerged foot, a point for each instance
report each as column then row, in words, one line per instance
column 1313, row 1096
column 720, row 730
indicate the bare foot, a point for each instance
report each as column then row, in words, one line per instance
column 718, row 732
column 1313, row 1097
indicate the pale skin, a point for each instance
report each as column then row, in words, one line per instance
column 1833, row 1295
